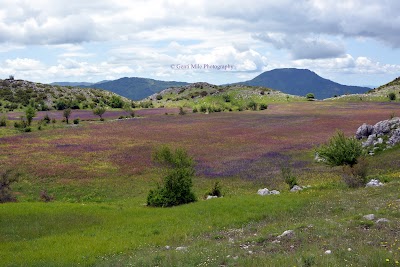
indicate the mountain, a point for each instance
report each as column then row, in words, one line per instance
column 17, row 94
column 136, row 88
column 302, row 81
column 72, row 83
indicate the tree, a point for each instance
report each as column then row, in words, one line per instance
column 310, row 96
column 30, row 113
column 67, row 114
column 99, row 111
column 176, row 187
column 116, row 102
column 392, row 96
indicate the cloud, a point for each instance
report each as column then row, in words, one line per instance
column 303, row 48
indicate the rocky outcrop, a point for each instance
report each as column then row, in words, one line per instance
column 382, row 135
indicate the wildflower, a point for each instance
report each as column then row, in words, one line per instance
column 387, row 260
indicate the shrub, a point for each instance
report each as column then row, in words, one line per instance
column 346, row 152
column 216, row 190
column 159, row 97
column 356, row 176
column 392, row 96
column 340, row 151
column 181, row 111
column 252, row 105
column 46, row 118
column 310, row 96
column 3, row 121
column 76, row 121
column 45, row 197
column 7, row 178
column 263, row 106
column 288, row 176
column 178, row 169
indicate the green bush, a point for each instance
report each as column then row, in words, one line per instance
column 310, row 96
column 176, row 186
column 252, row 105
column 216, row 190
column 340, row 151
column 392, row 96
column 346, row 152
column 263, row 106
column 30, row 113
column 288, row 176
column 76, row 121
column 7, row 178
column 3, row 121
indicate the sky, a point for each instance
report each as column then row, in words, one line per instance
column 353, row 42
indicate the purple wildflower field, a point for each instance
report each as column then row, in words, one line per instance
column 248, row 145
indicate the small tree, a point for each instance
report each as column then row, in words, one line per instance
column 176, row 186
column 30, row 113
column 3, row 120
column 99, row 111
column 392, row 96
column 67, row 113
column 310, row 96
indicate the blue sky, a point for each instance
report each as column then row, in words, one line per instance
column 355, row 42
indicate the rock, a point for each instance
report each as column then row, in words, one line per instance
column 263, row 192
column 374, row 183
column 370, row 140
column 287, row 233
column 364, row 130
column 167, row 247
column 296, row 188
column 181, row 249
column 382, row 127
column 369, row 217
column 382, row 220
column 328, row 252
column 211, row 197
column 349, row 249
column 274, row 192
column 395, row 138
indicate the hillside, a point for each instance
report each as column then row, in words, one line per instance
column 205, row 97
column 380, row 94
column 302, row 81
column 136, row 88
column 17, row 94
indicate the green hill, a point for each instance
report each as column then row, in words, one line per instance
column 205, row 97
column 17, row 94
column 380, row 94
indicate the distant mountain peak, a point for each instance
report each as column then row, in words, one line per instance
column 302, row 81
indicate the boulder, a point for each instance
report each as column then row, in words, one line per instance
column 364, row 130
column 287, row 234
column 369, row 217
column 373, row 183
column 263, row 192
column 296, row 188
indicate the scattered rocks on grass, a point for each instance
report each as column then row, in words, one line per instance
column 287, row 234
column 382, row 220
column 265, row 191
column 374, row 183
column 369, row 217
column 297, row 188
column 181, row 249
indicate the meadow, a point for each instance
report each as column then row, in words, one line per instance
column 101, row 172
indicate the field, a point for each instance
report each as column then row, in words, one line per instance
column 100, row 174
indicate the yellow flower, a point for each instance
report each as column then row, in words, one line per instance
column 387, row 260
